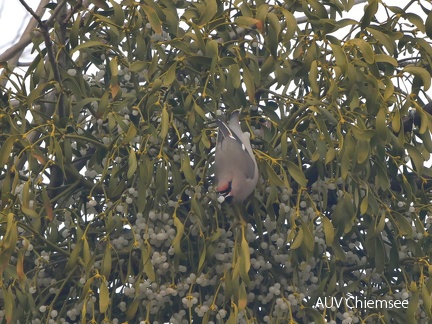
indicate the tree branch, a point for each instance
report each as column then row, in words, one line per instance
column 44, row 30
column 26, row 38
column 13, row 53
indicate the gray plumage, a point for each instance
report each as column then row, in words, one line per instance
column 236, row 169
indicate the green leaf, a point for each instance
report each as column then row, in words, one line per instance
column 420, row 72
column 153, row 18
column 9, row 304
column 100, row 3
column 205, row 140
column 328, row 230
column 291, row 24
column 10, row 229
column 346, row 161
column 177, row 179
column 330, row 155
column 298, row 240
column 416, row 157
column 413, row 306
column 234, row 75
column 245, row 263
column 268, row 67
column 137, row 66
column 26, row 202
column 119, row 17
column 86, row 251
column 383, row 39
column 187, row 170
column 379, row 224
column 340, row 57
column 199, row 110
column 370, row 11
column 232, row 319
column 382, row 178
column 338, row 251
column 383, row 58
column 202, row 257
column 308, row 240
column 427, row 141
column 171, row 74
column 402, row 224
column 106, row 261
column 318, row 318
column 381, row 124
column 318, row 11
column 47, row 204
column 423, row 119
column 132, row 163
column 365, row 49
column 363, row 148
column 242, row 300
column 164, row 123
column 379, row 255
column 132, row 310
column 131, row 134
column 89, row 44
column 417, row 21
column 182, row 46
column 274, row 28
column 396, row 121
column 103, row 297
column 6, row 149
column 74, row 256
column 389, row 88
column 197, row 208
column 428, row 25
column 212, row 50
column 270, row 112
column 246, row 21
column 179, row 234
column 313, row 77
column 161, row 179
column 208, row 13
column 249, row 82
column 427, row 302
column 297, row 174
column 146, row 262
column 273, row 176
column 74, row 32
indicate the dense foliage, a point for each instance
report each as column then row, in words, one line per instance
column 108, row 213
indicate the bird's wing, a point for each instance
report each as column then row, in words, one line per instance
column 225, row 132
column 233, row 151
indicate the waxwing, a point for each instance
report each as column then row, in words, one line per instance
column 236, row 169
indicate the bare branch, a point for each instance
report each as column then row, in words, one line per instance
column 45, row 33
column 13, row 54
column 26, row 36
column 30, row 10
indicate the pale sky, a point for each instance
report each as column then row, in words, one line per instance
column 13, row 20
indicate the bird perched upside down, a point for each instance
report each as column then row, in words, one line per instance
column 236, row 169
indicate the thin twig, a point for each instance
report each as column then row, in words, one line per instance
column 57, row 10
column 44, row 30
column 12, row 54
column 30, row 10
column 74, row 10
column 16, row 49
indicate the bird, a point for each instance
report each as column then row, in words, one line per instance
column 236, row 170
